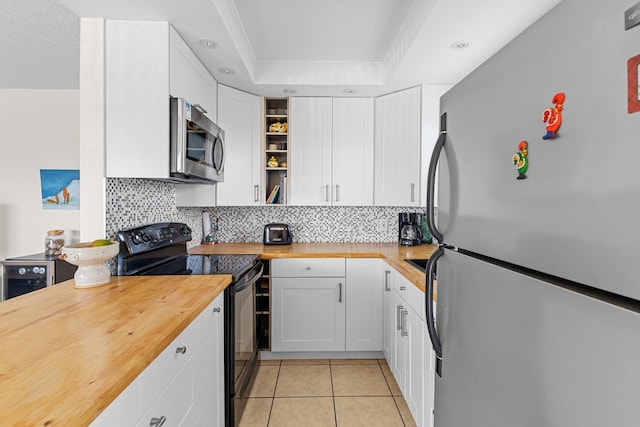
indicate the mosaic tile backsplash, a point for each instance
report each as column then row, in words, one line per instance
column 134, row 202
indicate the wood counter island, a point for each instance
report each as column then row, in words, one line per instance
column 393, row 253
column 67, row 353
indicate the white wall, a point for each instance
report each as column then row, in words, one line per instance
column 38, row 130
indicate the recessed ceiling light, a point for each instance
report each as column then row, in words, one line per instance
column 349, row 91
column 227, row 71
column 209, row 44
column 289, row 90
column 459, row 45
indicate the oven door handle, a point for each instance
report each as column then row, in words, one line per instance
column 250, row 278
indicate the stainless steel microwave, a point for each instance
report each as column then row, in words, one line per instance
column 197, row 145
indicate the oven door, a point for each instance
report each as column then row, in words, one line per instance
column 241, row 352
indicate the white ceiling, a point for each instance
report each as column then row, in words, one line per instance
column 371, row 47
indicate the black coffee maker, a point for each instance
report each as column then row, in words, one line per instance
column 410, row 228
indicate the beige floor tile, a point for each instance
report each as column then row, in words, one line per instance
column 265, row 382
column 404, row 412
column 359, row 380
column 304, row 381
column 269, row 362
column 305, row 362
column 303, row 411
column 393, row 385
column 367, row 412
column 354, row 361
column 256, row 413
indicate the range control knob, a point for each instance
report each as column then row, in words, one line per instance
column 22, row 270
column 135, row 239
column 185, row 230
column 146, row 237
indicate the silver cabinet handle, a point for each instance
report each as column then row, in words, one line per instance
column 216, row 309
column 340, row 292
column 181, row 350
column 403, row 288
column 157, row 422
column 387, row 274
column 256, row 193
column 398, row 309
column 413, row 192
column 337, row 193
column 308, row 267
column 326, row 193
column 199, row 108
column 403, row 322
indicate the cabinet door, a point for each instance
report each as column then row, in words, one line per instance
column 397, row 147
column 188, row 78
column 308, row 314
column 239, row 117
column 136, row 99
column 399, row 368
column 352, row 152
column 213, row 363
column 310, row 133
column 388, row 318
column 365, row 278
column 417, row 359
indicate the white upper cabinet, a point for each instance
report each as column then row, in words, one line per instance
column 353, row 151
column 145, row 63
column 331, row 146
column 188, row 78
column 239, row 117
column 310, row 131
column 397, row 149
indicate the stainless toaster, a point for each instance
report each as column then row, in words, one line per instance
column 276, row 234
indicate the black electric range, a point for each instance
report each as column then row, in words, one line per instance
column 161, row 249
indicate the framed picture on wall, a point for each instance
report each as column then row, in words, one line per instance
column 633, row 69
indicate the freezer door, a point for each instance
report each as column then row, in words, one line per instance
column 575, row 215
column 518, row 351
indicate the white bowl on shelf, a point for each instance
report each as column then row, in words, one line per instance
column 91, row 261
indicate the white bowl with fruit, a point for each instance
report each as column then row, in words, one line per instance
column 91, row 258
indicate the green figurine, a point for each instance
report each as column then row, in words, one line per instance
column 521, row 161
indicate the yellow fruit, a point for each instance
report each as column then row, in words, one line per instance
column 101, row 242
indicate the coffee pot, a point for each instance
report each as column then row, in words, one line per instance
column 410, row 229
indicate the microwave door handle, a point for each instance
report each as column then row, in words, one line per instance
column 217, row 167
column 199, row 108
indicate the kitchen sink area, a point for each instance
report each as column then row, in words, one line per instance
column 420, row 264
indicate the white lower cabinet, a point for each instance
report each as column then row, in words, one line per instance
column 328, row 304
column 183, row 386
column 412, row 360
column 364, row 304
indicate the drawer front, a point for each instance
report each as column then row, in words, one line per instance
column 180, row 402
column 411, row 294
column 164, row 368
column 308, row 267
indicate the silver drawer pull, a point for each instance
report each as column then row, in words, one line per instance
column 403, row 288
column 157, row 422
column 216, row 309
column 181, row 350
column 308, row 268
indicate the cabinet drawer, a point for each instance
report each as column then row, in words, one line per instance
column 411, row 294
column 308, row 267
column 180, row 402
column 164, row 368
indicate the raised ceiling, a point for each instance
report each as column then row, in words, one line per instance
column 370, row 47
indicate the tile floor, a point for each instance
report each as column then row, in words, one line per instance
column 324, row 393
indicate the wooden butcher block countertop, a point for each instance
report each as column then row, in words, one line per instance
column 393, row 253
column 66, row 353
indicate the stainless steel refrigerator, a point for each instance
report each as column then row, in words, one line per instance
column 537, row 319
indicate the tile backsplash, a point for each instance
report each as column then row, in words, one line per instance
column 134, row 202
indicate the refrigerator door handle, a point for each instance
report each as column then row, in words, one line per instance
column 431, row 179
column 431, row 321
